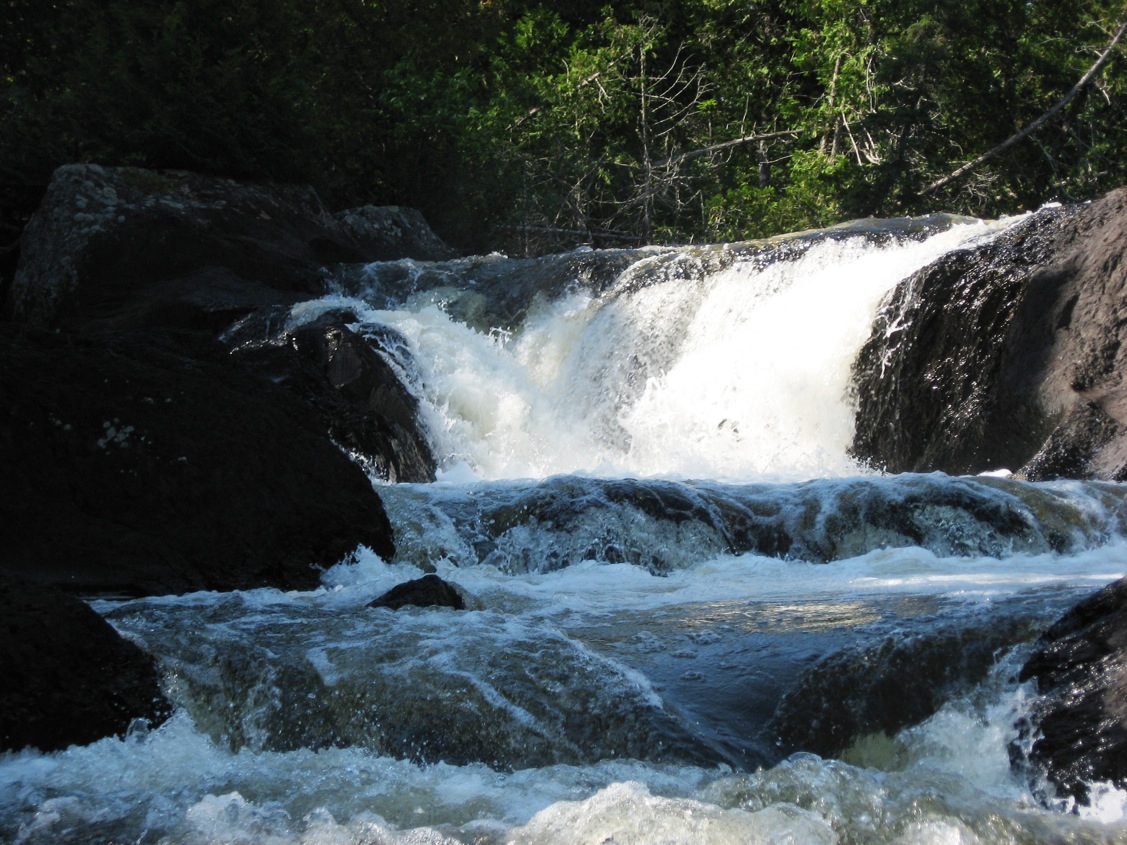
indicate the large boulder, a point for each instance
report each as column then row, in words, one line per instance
column 343, row 375
column 146, row 463
column 69, row 677
column 120, row 247
column 1009, row 354
column 1080, row 718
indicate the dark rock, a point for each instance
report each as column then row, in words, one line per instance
column 1069, row 449
column 119, row 249
column 116, row 248
column 387, row 233
column 361, row 401
column 1080, row 719
column 145, row 463
column 491, row 291
column 884, row 688
column 428, row 591
column 69, row 677
column 1006, row 355
column 664, row 525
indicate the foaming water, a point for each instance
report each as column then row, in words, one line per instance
column 641, row 660
column 726, row 628
column 760, row 384
column 678, row 368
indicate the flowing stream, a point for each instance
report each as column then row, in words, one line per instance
column 692, row 615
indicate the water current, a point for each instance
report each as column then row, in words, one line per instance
column 692, row 615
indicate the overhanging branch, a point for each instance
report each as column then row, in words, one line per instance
column 1035, row 125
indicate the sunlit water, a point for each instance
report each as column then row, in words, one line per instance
column 621, row 673
column 674, row 370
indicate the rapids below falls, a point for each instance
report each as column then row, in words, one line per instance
column 678, row 583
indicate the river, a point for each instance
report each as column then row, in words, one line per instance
column 692, row 615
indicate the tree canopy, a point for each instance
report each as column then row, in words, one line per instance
column 526, row 126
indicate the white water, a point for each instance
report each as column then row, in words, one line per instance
column 946, row 780
column 740, row 375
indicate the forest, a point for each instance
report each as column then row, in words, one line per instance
column 525, row 126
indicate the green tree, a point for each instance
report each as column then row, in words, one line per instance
column 528, row 126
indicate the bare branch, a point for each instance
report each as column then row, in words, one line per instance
column 723, row 145
column 1035, row 125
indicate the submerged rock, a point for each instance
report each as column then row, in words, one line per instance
column 428, row 591
column 1009, row 354
column 68, row 677
column 145, row 463
column 494, row 689
column 1078, row 726
column 665, row 525
column 883, row 688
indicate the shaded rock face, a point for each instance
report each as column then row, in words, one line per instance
column 1006, row 355
column 388, row 233
column 148, row 464
column 428, row 591
column 114, row 248
column 1080, row 720
column 69, row 677
column 355, row 392
column 155, row 459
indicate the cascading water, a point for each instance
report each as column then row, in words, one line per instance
column 687, row 603
column 690, row 364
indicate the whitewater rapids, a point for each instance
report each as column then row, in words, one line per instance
column 670, row 560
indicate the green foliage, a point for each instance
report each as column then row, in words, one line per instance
column 201, row 85
column 529, row 126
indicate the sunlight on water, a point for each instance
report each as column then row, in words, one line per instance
column 946, row 780
column 628, row 649
column 734, row 374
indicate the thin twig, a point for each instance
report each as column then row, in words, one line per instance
column 1035, row 125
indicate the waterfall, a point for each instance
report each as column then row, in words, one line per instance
column 690, row 614
column 718, row 362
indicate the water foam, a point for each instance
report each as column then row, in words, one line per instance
column 678, row 369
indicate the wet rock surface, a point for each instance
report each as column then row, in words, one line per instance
column 69, row 677
column 1006, row 355
column 428, row 591
column 489, row 687
column 1078, row 725
column 361, row 401
column 667, row 525
column 883, row 688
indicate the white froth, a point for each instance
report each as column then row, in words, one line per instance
column 743, row 373
column 627, row 814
